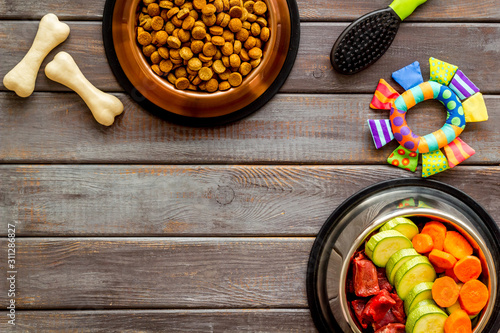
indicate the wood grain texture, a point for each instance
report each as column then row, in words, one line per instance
column 105, row 321
column 476, row 51
column 291, row 128
column 318, row 10
column 104, row 273
column 198, row 200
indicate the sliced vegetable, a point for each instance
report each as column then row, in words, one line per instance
column 403, row 225
column 384, row 244
column 445, row 291
column 411, row 273
column 456, row 245
column 419, row 293
column 422, row 243
column 442, row 259
column 458, row 322
column 397, row 260
column 468, row 268
column 450, row 272
column 437, row 231
column 425, row 302
column 426, row 319
column 473, row 297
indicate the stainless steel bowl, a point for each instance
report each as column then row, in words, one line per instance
column 357, row 217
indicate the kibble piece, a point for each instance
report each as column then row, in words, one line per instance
column 199, row 33
column 235, row 79
column 173, row 42
column 235, row 11
column 175, row 54
column 163, row 52
column 234, row 61
column 177, row 62
column 225, row 61
column 153, row 9
column 233, row 3
column 144, row 38
column 197, row 46
column 209, row 49
column 172, row 12
column 209, row 20
column 258, row 43
column 235, row 25
column 227, row 49
column 244, row 55
column 199, row 4
column 228, row 36
column 246, row 25
column 208, row 38
column 205, row 73
column 212, row 85
column 188, row 23
column 259, row 8
column 248, row 5
column 186, row 53
column 255, row 53
column 160, row 38
column 216, row 30
column 225, row 20
column 242, row 35
column 182, row 83
column 157, row 70
column 204, row 58
column 148, row 50
column 224, row 85
column 226, row 5
column 237, row 47
column 180, row 72
column 200, row 24
column 208, row 10
column 219, row 67
column 166, row 66
column 183, row 13
column 244, row 15
column 255, row 62
column 194, row 64
column 171, row 78
column 208, row 64
column 176, row 21
column 224, row 76
column 261, row 21
column 255, row 29
column 155, row 57
column 179, row 2
column 251, row 18
column 218, row 40
column 192, row 87
column 250, row 43
column 264, row 34
column 197, row 80
column 157, row 23
column 166, row 4
column 219, row 5
column 245, row 68
column 194, row 14
column 184, row 35
column 218, row 55
column 169, row 27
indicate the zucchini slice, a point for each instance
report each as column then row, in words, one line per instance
column 403, row 225
column 411, row 273
column 384, row 244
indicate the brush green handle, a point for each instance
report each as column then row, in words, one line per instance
column 404, row 8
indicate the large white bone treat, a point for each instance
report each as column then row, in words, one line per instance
column 51, row 32
column 104, row 107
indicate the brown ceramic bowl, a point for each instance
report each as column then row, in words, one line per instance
column 159, row 96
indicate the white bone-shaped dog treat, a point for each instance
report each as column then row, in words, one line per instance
column 104, row 107
column 51, row 32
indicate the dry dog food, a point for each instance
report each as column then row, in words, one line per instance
column 203, row 45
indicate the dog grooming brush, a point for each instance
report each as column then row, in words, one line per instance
column 365, row 40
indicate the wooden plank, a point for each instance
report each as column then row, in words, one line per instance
column 292, row 128
column 318, row 10
column 105, row 273
column 473, row 47
column 247, row 320
column 89, row 200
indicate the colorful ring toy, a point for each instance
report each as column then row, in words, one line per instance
column 454, row 125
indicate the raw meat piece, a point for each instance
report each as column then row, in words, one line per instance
column 389, row 318
column 378, row 306
column 398, row 309
column 365, row 277
column 358, row 306
column 382, row 280
column 392, row 328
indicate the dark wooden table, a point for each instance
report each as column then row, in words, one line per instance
column 150, row 226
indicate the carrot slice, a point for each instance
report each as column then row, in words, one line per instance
column 442, row 259
column 422, row 243
column 451, row 273
column 456, row 245
column 458, row 321
column 445, row 291
column 437, row 231
column 468, row 268
column 473, row 297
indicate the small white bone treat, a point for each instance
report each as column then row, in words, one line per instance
column 51, row 32
column 104, row 107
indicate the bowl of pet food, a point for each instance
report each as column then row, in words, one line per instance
column 201, row 62
column 406, row 256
